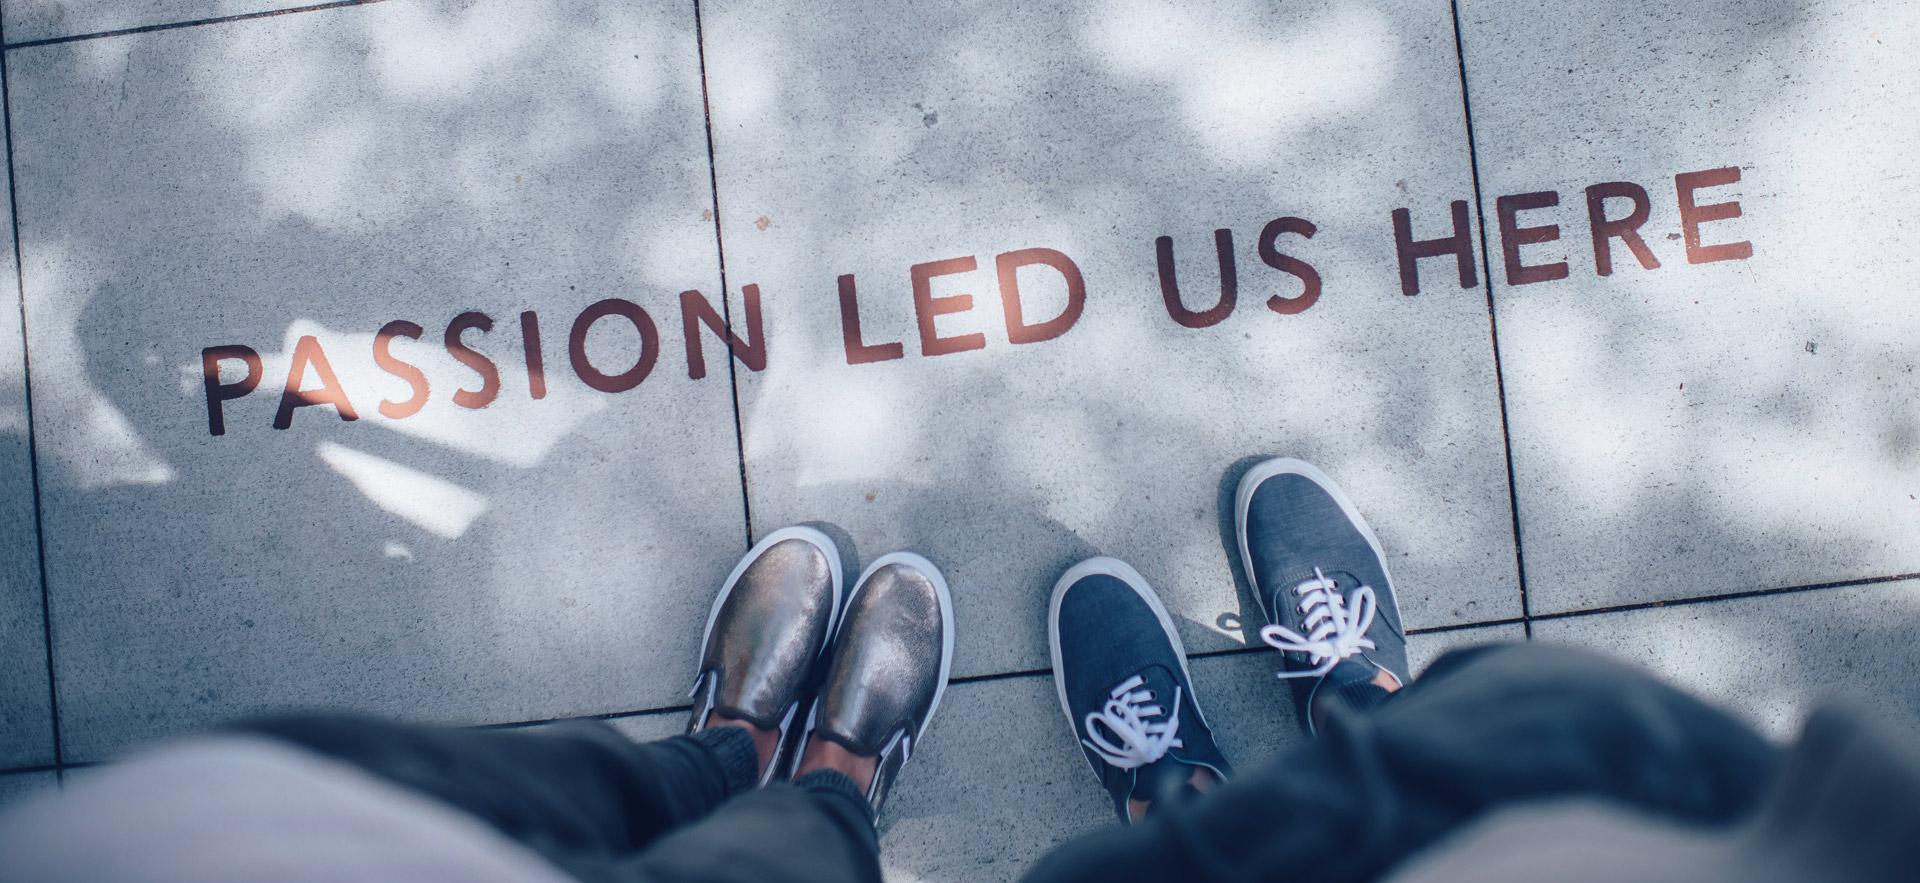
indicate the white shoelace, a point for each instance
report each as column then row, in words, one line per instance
column 1335, row 631
column 1135, row 741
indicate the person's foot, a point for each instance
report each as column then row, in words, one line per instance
column 1319, row 575
column 1123, row 681
column 766, row 639
column 891, row 657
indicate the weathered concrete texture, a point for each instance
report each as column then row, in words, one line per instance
column 50, row 19
column 321, row 174
column 1001, row 781
column 1422, row 650
column 16, row 787
column 1776, row 657
column 850, row 142
column 648, row 727
column 997, row 784
column 26, row 724
column 1721, row 426
column 651, row 727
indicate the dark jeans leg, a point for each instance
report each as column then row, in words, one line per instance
column 817, row 829
column 593, row 802
column 1485, row 727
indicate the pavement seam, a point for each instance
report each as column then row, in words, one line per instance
column 1725, row 596
column 720, row 250
column 191, row 23
column 1207, row 654
column 26, row 390
column 1493, row 322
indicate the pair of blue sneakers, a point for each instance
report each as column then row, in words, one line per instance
column 1320, row 579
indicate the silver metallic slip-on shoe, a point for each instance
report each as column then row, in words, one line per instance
column 890, row 662
column 768, row 633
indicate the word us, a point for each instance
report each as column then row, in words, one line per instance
column 1604, row 229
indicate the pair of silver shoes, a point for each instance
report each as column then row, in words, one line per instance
column 777, row 638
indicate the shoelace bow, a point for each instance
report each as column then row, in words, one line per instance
column 1124, row 735
column 1335, row 631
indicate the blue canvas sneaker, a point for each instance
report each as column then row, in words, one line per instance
column 1320, row 578
column 1123, row 682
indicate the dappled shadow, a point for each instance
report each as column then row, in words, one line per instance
column 1699, row 429
column 26, row 719
column 853, row 143
column 867, row 144
column 323, row 174
column 1774, row 659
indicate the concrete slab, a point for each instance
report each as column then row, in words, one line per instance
column 1774, row 658
column 1422, row 650
column 1723, row 422
column 319, row 175
column 17, row 787
column 26, row 723
column 647, row 727
column 29, row 20
column 983, row 802
column 652, row 727
column 849, row 142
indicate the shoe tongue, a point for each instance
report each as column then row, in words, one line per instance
column 1284, row 593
